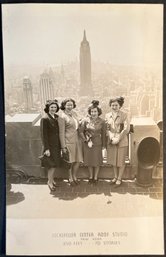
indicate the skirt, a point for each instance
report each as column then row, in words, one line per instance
column 92, row 156
column 116, row 155
column 75, row 151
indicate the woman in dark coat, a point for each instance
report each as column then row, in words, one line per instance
column 92, row 131
column 49, row 127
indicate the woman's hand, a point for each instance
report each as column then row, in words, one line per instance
column 47, row 153
column 64, row 150
column 90, row 143
column 115, row 141
column 111, row 135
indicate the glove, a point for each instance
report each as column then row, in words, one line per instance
column 90, row 144
column 47, row 152
column 110, row 134
column 115, row 141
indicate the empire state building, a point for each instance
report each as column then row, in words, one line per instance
column 85, row 68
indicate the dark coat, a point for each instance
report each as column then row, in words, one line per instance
column 96, row 130
column 49, row 128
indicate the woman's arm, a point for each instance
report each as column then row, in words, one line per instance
column 109, row 134
column 103, row 134
column 44, row 133
column 61, row 123
column 126, row 127
column 81, row 130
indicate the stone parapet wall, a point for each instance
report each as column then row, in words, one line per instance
column 23, row 147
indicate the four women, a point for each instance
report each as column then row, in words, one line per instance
column 84, row 140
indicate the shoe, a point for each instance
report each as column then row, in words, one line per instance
column 71, row 183
column 118, row 183
column 76, row 181
column 113, row 181
column 55, row 184
column 95, row 181
column 91, row 180
column 52, row 188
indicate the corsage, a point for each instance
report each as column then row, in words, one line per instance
column 89, row 139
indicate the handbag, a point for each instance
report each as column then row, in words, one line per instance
column 121, row 127
column 66, row 160
column 46, row 161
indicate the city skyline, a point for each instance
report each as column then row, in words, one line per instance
column 48, row 35
column 140, row 83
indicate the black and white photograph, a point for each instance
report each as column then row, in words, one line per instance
column 83, row 95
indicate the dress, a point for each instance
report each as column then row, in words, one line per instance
column 69, row 136
column 118, row 127
column 95, row 130
column 49, row 128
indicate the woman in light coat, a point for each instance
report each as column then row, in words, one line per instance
column 69, row 138
column 117, row 140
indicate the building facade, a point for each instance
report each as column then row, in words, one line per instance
column 27, row 94
column 46, row 88
column 85, row 68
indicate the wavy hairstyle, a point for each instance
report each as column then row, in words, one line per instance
column 49, row 103
column 63, row 104
column 119, row 99
column 94, row 104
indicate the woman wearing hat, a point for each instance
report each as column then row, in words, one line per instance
column 117, row 141
column 92, row 131
column 49, row 127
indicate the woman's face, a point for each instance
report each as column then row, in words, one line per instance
column 69, row 106
column 115, row 106
column 52, row 109
column 94, row 113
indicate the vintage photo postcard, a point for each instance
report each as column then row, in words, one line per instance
column 84, row 128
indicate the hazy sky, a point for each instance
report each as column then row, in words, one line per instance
column 50, row 34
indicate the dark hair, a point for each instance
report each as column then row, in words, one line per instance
column 49, row 103
column 94, row 104
column 120, row 100
column 63, row 104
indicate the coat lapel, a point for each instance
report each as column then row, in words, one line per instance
column 51, row 119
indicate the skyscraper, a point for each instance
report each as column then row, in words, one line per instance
column 85, row 68
column 27, row 94
column 46, row 88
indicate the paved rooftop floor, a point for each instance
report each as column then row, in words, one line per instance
column 84, row 200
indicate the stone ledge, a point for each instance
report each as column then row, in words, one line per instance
column 106, row 171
